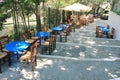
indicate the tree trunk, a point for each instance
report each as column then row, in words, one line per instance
column 38, row 19
column 15, row 22
column 49, row 17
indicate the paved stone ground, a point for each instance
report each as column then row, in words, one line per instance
column 83, row 57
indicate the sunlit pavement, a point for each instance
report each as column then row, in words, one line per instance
column 82, row 57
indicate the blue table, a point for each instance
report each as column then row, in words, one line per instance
column 104, row 29
column 42, row 34
column 58, row 28
column 68, row 24
column 17, row 46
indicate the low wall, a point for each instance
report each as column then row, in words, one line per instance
column 114, row 21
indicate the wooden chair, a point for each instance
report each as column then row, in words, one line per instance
column 49, row 45
column 108, row 26
column 73, row 27
column 5, row 56
column 111, row 33
column 30, row 56
column 25, row 38
column 79, row 24
column 54, row 41
column 65, row 33
column 32, row 35
column 98, row 32
column 4, row 40
column 63, row 37
column 45, row 28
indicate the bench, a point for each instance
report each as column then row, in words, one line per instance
column 5, row 56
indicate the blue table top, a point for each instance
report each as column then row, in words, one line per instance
column 67, row 24
column 104, row 29
column 16, row 46
column 42, row 34
column 58, row 28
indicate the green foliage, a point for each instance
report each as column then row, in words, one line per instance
column 4, row 13
column 118, row 11
column 116, row 6
column 23, row 8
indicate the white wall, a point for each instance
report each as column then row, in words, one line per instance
column 114, row 21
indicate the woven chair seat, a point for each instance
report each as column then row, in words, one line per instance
column 30, row 41
column 45, row 44
column 35, row 38
column 3, row 54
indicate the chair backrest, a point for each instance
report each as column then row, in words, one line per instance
column 52, row 37
column 28, row 34
column 33, row 49
column 23, row 36
column 3, row 40
column 113, row 30
column 32, row 32
column 45, row 28
column 108, row 26
column 97, row 29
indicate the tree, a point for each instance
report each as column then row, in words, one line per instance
column 35, row 5
column 4, row 14
column 95, row 4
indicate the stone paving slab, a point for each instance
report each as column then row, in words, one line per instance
column 115, row 79
column 83, row 51
column 71, row 69
column 65, row 68
column 92, row 40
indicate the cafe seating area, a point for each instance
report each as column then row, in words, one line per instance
column 105, row 32
column 11, row 51
column 49, row 45
column 53, row 55
column 66, row 32
column 43, row 42
column 24, row 48
column 84, row 20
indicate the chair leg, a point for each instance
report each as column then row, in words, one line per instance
column 111, row 36
column 49, row 50
column 60, row 38
column 0, row 67
column 42, row 49
column 65, row 38
column 9, row 60
column 52, row 45
column 35, row 60
column 21, row 64
column 31, row 64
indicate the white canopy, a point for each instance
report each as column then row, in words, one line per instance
column 77, row 7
